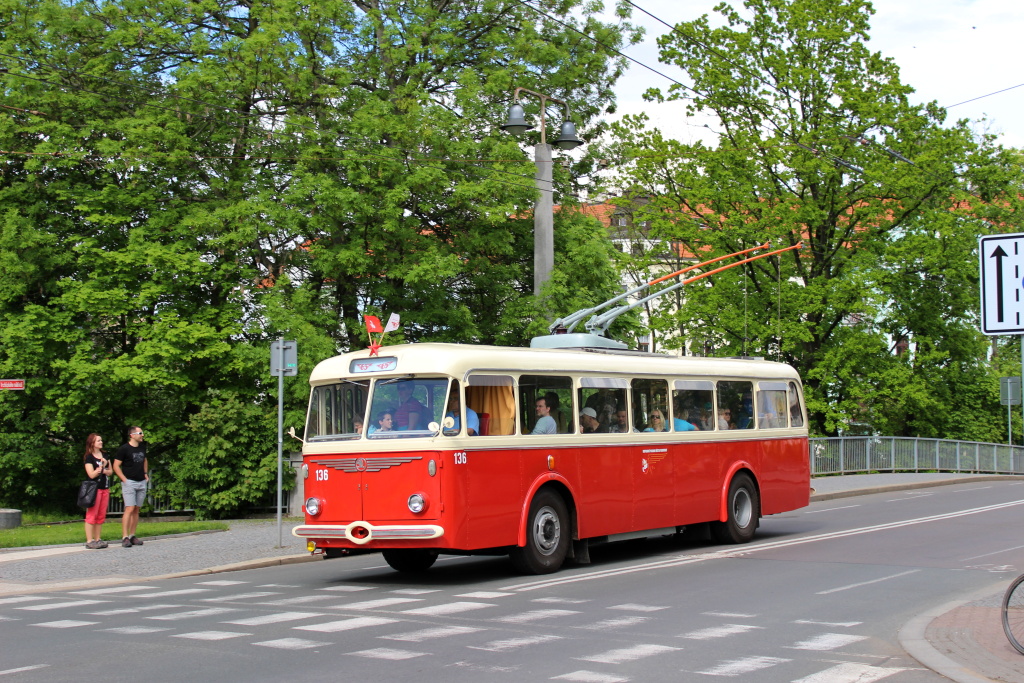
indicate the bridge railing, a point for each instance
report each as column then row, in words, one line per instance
column 857, row 454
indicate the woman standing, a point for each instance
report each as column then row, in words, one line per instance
column 96, row 467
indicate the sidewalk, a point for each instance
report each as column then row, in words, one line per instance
column 962, row 640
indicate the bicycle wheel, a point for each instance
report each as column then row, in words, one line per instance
column 1013, row 613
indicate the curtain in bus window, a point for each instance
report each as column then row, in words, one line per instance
column 693, row 405
column 796, row 411
column 650, row 405
column 606, row 396
column 772, row 405
column 493, row 396
column 557, row 394
column 735, row 405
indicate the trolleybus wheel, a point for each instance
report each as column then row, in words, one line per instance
column 410, row 560
column 1013, row 613
column 743, row 509
column 547, row 536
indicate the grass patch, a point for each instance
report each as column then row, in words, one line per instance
column 59, row 534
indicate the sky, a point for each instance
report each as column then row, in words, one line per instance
column 947, row 50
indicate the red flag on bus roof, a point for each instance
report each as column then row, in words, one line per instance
column 373, row 324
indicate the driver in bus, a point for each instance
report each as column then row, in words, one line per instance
column 410, row 411
column 454, row 410
column 545, row 423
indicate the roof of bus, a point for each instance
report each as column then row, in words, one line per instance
column 457, row 360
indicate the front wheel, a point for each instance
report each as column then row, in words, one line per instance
column 744, row 508
column 410, row 560
column 1013, row 613
column 547, row 536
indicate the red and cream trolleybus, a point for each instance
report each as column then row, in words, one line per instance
column 446, row 448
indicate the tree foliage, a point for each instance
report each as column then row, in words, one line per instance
column 183, row 182
column 816, row 142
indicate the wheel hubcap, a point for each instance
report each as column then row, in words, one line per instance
column 547, row 530
column 742, row 508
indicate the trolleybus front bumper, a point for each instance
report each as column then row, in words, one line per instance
column 361, row 533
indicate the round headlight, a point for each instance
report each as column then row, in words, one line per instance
column 313, row 506
column 417, row 503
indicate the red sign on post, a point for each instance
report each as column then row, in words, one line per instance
column 12, row 384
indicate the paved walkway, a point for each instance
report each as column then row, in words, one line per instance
column 962, row 640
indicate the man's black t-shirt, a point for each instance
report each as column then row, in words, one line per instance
column 132, row 459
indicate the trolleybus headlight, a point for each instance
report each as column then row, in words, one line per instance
column 313, row 506
column 417, row 503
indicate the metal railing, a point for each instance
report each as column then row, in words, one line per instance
column 858, row 454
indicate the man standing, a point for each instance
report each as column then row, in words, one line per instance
column 545, row 423
column 131, row 466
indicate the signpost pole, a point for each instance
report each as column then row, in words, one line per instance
column 280, row 433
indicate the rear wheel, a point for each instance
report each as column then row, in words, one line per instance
column 1013, row 614
column 410, row 560
column 744, row 507
column 547, row 535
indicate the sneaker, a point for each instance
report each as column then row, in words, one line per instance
column 126, row 542
column 103, row 544
column 93, row 545
column 135, row 541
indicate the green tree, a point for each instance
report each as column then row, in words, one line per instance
column 817, row 143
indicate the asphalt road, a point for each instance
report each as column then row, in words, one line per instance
column 818, row 597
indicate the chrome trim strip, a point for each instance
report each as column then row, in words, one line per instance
column 389, row 532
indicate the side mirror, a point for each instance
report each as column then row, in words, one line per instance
column 291, row 433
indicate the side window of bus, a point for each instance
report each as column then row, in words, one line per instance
column 650, row 405
column 772, row 405
column 606, row 397
column 693, row 405
column 492, row 398
column 735, row 405
column 796, row 410
column 542, row 397
column 337, row 410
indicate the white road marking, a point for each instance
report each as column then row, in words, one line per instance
column 483, row 595
column 846, row 624
column 345, row 624
column 850, row 672
column 536, row 615
column 23, row 668
column 416, row 591
column 66, row 623
column 291, row 644
column 628, row 654
column 450, row 608
column 744, row 665
column 273, row 618
column 387, row 653
column 630, row 607
column 431, row 633
column 59, row 605
column 347, row 589
column 112, row 589
column 210, row 635
column 135, row 630
column 378, row 604
column 719, row 631
column 277, row 585
column 826, row 641
column 841, row 507
column 192, row 613
column 557, row 601
column 239, row 596
column 23, row 598
column 976, row 488
column 222, row 582
column 165, row 594
column 132, row 610
column 867, row 583
column 614, row 623
column 584, row 676
column 966, row 559
column 750, row 548
column 730, row 615
column 296, row 600
column 514, row 643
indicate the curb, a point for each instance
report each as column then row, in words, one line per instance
column 912, row 639
column 889, row 488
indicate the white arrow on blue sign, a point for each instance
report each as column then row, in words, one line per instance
column 1002, row 283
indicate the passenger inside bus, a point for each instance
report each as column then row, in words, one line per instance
column 657, row 421
column 385, row 422
column 561, row 422
column 725, row 419
column 621, row 424
column 545, row 423
column 410, row 412
column 357, row 425
column 455, row 412
column 589, row 423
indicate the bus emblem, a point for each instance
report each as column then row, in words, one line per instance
column 360, row 464
column 647, row 464
column 364, row 464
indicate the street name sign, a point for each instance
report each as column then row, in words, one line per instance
column 1002, row 283
column 12, row 384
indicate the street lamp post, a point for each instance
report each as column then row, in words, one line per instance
column 543, row 210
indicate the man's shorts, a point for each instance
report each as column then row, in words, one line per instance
column 134, row 492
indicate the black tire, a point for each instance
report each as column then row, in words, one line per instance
column 744, row 510
column 331, row 553
column 1013, row 613
column 547, row 536
column 410, row 560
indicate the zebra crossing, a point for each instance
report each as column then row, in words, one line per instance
column 594, row 640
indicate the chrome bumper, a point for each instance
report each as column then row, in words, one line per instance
column 361, row 533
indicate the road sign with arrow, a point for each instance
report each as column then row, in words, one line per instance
column 1002, row 283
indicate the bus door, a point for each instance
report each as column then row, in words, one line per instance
column 652, row 459
column 606, row 484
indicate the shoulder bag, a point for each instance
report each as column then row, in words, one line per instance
column 87, row 493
